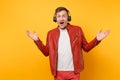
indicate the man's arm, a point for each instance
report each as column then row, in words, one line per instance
column 100, row 36
column 38, row 42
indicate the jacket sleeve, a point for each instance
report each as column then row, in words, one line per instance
column 43, row 48
column 88, row 46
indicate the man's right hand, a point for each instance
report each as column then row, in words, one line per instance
column 33, row 36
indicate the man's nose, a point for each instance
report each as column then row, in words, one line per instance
column 61, row 18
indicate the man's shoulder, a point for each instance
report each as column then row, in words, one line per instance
column 53, row 30
column 75, row 27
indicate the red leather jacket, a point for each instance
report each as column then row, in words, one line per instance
column 78, row 42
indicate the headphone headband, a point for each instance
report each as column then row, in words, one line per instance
column 61, row 9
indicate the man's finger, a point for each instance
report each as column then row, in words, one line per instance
column 107, row 32
column 100, row 31
column 28, row 32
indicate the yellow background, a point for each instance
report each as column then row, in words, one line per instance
column 20, row 59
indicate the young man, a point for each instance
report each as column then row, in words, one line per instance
column 64, row 46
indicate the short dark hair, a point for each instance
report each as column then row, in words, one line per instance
column 60, row 9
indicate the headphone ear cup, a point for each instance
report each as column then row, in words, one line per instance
column 69, row 18
column 54, row 19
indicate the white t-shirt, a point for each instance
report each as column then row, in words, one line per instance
column 65, row 59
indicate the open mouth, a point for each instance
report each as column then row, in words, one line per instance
column 61, row 22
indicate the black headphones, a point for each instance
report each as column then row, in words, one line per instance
column 60, row 9
column 55, row 19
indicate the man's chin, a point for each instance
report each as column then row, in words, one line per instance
column 62, row 27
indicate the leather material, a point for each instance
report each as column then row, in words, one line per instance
column 78, row 42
